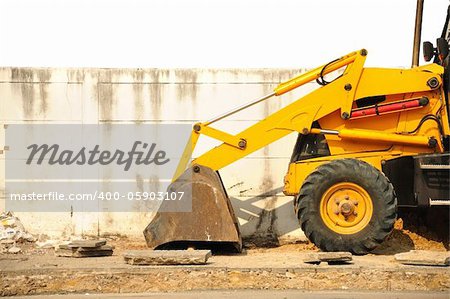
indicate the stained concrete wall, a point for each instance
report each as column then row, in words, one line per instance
column 88, row 96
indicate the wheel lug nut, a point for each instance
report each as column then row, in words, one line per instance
column 346, row 197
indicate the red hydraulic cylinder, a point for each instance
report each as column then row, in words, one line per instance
column 389, row 108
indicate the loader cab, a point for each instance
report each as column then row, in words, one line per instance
column 310, row 146
column 439, row 53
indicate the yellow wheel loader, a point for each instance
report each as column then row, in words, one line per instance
column 369, row 141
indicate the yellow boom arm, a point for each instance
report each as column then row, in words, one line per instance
column 356, row 82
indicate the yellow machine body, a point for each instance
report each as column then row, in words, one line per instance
column 373, row 139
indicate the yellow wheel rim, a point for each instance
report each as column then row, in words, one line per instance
column 346, row 208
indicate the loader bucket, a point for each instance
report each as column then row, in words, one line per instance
column 212, row 223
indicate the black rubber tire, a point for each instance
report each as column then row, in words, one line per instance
column 366, row 176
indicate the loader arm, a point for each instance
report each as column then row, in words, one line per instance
column 299, row 115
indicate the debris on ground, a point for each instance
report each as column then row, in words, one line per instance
column 12, row 232
column 48, row 244
column 14, row 250
column 167, row 257
column 49, row 274
column 12, row 229
column 36, row 270
column 84, row 248
column 424, row 258
column 5, row 244
column 329, row 257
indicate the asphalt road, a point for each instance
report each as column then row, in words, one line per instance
column 255, row 294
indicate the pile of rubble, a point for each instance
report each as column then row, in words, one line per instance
column 12, row 233
column 13, row 239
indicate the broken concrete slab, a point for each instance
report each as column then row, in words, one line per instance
column 167, row 257
column 312, row 258
column 68, row 250
column 329, row 257
column 87, row 243
column 83, row 252
column 424, row 258
column 103, row 247
column 335, row 256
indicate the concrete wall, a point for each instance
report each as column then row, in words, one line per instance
column 159, row 95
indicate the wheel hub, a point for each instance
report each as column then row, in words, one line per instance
column 346, row 208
